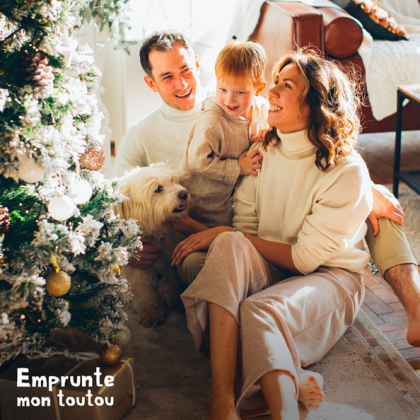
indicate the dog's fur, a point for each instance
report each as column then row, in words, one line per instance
column 154, row 198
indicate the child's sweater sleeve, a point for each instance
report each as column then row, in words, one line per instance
column 204, row 150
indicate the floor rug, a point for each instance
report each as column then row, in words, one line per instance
column 365, row 378
column 410, row 202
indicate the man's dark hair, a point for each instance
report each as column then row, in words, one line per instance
column 161, row 41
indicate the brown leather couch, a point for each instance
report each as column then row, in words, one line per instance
column 284, row 26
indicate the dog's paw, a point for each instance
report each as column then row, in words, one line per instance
column 153, row 318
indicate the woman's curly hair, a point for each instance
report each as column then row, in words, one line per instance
column 333, row 122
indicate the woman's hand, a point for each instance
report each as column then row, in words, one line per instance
column 197, row 242
column 385, row 206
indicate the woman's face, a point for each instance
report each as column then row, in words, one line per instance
column 283, row 98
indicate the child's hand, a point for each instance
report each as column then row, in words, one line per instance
column 260, row 136
column 250, row 163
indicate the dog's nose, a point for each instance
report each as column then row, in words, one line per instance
column 183, row 195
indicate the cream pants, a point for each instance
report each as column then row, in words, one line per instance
column 284, row 323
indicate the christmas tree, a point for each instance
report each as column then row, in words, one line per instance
column 61, row 246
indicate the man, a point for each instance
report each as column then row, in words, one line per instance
column 172, row 70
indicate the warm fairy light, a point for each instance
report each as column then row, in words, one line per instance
column 20, row 204
column 22, row 317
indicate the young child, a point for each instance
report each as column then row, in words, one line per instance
column 217, row 147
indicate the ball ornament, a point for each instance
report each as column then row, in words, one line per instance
column 61, row 208
column 123, row 337
column 80, row 191
column 58, row 284
column 110, row 356
column 29, row 171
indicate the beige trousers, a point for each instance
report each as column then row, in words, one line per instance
column 390, row 247
column 284, row 323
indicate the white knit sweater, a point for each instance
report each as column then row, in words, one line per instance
column 321, row 214
column 160, row 137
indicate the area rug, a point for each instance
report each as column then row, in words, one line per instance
column 365, row 377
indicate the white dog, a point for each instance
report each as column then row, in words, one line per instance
column 155, row 197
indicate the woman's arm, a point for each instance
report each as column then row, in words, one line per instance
column 275, row 253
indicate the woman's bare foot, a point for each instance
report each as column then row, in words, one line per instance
column 280, row 393
column 310, row 389
column 221, row 408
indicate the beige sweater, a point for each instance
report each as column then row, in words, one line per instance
column 321, row 214
column 210, row 167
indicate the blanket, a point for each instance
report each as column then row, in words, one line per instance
column 390, row 64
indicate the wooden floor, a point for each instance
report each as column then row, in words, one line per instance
column 381, row 303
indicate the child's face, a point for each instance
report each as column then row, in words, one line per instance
column 236, row 97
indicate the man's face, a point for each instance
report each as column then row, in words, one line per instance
column 175, row 76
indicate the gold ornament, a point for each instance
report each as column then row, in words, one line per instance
column 58, row 284
column 111, row 355
column 93, row 159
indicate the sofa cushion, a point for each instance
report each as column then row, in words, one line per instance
column 343, row 34
column 376, row 20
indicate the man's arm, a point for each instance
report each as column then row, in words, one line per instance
column 131, row 152
column 384, row 205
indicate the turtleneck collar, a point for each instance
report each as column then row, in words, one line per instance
column 296, row 144
column 178, row 115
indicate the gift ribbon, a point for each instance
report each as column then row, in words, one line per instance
column 83, row 356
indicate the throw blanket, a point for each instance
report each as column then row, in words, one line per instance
column 388, row 64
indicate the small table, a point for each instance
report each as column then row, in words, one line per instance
column 412, row 93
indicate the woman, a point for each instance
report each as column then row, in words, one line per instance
column 288, row 280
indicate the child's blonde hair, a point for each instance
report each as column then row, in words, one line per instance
column 242, row 60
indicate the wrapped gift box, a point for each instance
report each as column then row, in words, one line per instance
column 59, row 366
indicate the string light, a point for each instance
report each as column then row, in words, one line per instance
column 22, row 317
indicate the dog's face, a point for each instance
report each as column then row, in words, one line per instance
column 155, row 197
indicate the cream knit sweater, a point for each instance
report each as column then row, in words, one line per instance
column 160, row 137
column 321, row 214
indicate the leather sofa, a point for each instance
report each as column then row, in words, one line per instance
column 285, row 26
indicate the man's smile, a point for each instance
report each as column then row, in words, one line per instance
column 185, row 94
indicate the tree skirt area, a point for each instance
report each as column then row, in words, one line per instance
column 365, row 378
